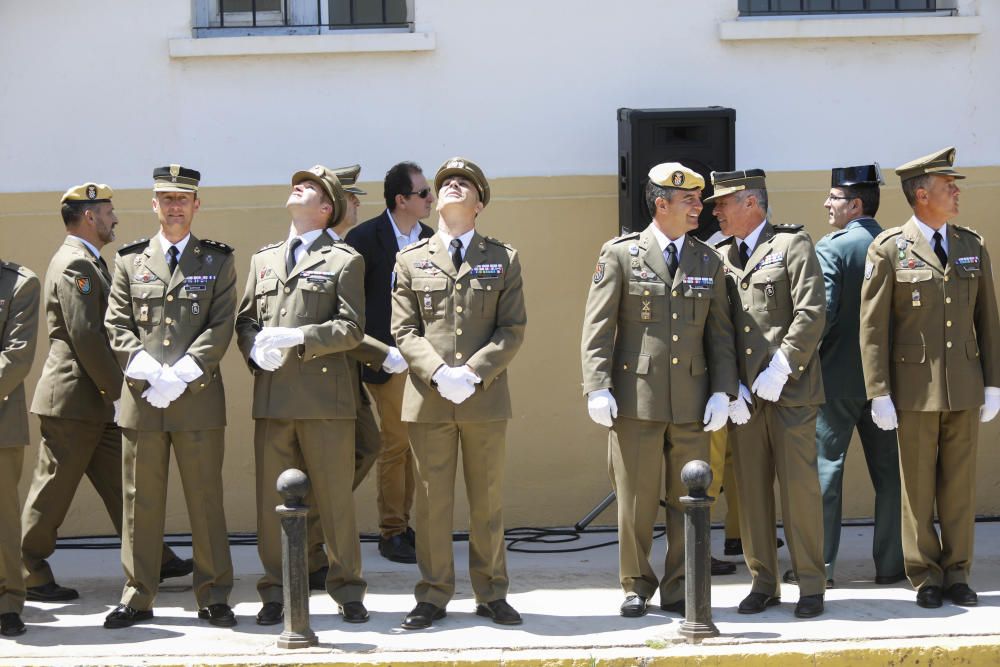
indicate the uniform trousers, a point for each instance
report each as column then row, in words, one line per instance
column 937, row 466
column 724, row 480
column 146, row 460
column 395, row 460
column 637, row 451
column 11, row 581
column 780, row 440
column 436, row 448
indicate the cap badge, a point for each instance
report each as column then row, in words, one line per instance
column 318, row 170
column 91, row 192
column 175, row 171
column 677, row 178
column 455, row 164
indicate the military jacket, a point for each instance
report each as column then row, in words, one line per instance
column 18, row 330
column 661, row 345
column 442, row 317
column 324, row 297
column 778, row 302
column 168, row 316
column 930, row 336
column 81, row 378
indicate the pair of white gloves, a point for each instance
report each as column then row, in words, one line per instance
column 456, row 383
column 269, row 343
column 768, row 386
column 884, row 412
column 166, row 382
column 603, row 409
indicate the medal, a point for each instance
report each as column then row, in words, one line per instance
column 915, row 298
column 428, row 304
column 195, row 308
column 769, row 290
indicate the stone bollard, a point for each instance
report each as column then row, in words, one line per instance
column 293, row 485
column 697, row 477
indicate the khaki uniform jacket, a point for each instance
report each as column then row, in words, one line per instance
column 660, row 345
column 324, row 297
column 930, row 335
column 779, row 302
column 190, row 312
column 444, row 317
column 81, row 378
column 18, row 330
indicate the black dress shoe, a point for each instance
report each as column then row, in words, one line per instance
column 125, row 616
column 317, row 579
column 929, row 597
column 423, row 616
column 721, row 567
column 733, row 546
column 51, row 592
column 11, row 625
column 354, row 612
column 176, row 567
column 411, row 537
column 756, row 603
column 676, row 607
column 809, row 606
column 962, row 595
column 219, row 614
column 887, row 579
column 500, row 611
column 633, row 607
column 271, row 613
column 397, row 549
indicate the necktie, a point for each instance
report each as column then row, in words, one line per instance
column 290, row 260
column 671, row 257
column 744, row 254
column 456, row 253
column 939, row 250
column 104, row 265
column 172, row 253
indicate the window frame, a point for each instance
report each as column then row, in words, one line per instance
column 938, row 7
column 301, row 17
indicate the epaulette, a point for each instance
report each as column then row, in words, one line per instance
column 269, row 246
column 725, row 241
column 217, row 245
column 344, row 246
column 413, row 246
column 138, row 244
column 625, row 237
column 970, row 230
column 788, row 228
column 886, row 235
column 490, row 239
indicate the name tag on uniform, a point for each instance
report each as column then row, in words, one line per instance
column 197, row 283
column 487, row 271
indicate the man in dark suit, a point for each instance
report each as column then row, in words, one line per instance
column 408, row 199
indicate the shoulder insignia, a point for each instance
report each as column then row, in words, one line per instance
column 490, row 239
column 269, row 246
column 723, row 243
column 788, row 228
column 134, row 246
column 217, row 245
column 625, row 237
column 886, row 235
column 344, row 247
column 970, row 230
column 416, row 244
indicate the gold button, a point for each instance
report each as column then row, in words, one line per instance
column 674, row 293
column 948, row 344
column 166, row 343
column 314, row 356
column 202, row 385
column 947, row 299
column 945, row 279
column 489, row 288
column 458, row 309
column 131, row 384
column 675, row 337
column 458, row 332
column 427, row 288
column 673, row 315
column 746, row 307
column 284, row 312
column 324, row 369
column 625, row 367
column 103, row 392
column 749, row 351
column 170, row 297
column 168, row 320
column 5, row 398
column 645, row 292
column 458, row 355
column 458, row 285
column 288, row 290
column 948, row 323
column 802, row 368
column 675, row 361
column 747, row 328
column 315, row 288
column 745, row 285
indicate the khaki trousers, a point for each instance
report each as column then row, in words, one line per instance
column 637, row 451
column 780, row 440
column 724, row 480
column 395, row 460
column 146, row 459
column 435, row 453
column 937, row 467
column 11, row 582
column 324, row 450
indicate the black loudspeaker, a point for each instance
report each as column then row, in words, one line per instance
column 703, row 139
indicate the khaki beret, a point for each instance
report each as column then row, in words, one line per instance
column 94, row 193
column 676, row 175
column 348, row 176
column 175, row 178
column 939, row 163
column 728, row 182
column 459, row 166
column 328, row 181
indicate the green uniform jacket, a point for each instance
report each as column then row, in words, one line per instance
column 777, row 303
column 81, row 378
column 930, row 335
column 18, row 329
column 324, row 297
column 661, row 345
column 190, row 312
column 444, row 317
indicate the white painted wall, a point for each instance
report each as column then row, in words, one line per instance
column 525, row 87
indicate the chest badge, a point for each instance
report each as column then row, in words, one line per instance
column 915, row 298
column 646, row 314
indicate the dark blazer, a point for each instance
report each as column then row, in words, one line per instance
column 376, row 242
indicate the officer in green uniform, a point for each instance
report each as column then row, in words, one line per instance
column 458, row 317
column 170, row 320
column 77, row 394
column 930, row 341
column 18, row 330
column 659, row 369
column 776, row 296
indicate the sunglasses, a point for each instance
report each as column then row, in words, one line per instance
column 422, row 193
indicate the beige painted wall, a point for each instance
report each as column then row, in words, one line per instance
column 556, row 460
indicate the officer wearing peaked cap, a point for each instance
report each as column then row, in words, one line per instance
column 930, row 340
column 659, row 369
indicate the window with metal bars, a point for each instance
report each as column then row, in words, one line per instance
column 301, row 16
column 791, row 7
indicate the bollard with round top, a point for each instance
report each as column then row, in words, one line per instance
column 697, row 477
column 293, row 485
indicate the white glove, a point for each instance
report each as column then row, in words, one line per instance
column 884, row 413
column 144, row 367
column 118, row 410
column 991, row 404
column 455, row 384
column 280, row 337
column 739, row 408
column 267, row 358
column 716, row 411
column 602, row 407
column 187, row 369
column 169, row 385
column 772, row 379
column 155, row 398
column 394, row 362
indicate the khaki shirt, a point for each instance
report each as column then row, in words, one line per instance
column 18, row 330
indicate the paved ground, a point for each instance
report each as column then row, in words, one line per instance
column 570, row 608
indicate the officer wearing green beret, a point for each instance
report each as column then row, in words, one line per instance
column 458, row 317
column 930, row 341
column 776, row 296
column 659, row 368
column 170, row 314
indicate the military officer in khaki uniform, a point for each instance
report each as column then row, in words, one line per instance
column 930, row 341
column 77, row 393
column 18, row 329
column 659, row 369
column 170, row 320
column 778, row 303
column 458, row 318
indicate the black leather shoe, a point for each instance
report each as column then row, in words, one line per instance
column 962, row 595
column 219, row 614
column 125, row 616
column 411, row 537
column 397, row 549
column 633, row 607
column 756, row 603
column 929, row 597
column 676, row 607
column 353, row 612
column 721, row 567
column 176, row 567
column 733, row 546
column 423, row 616
column 51, row 592
column 888, row 579
column 779, row 542
column 500, row 611
column 11, row 625
column 271, row 613
column 317, row 579
column 809, row 606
